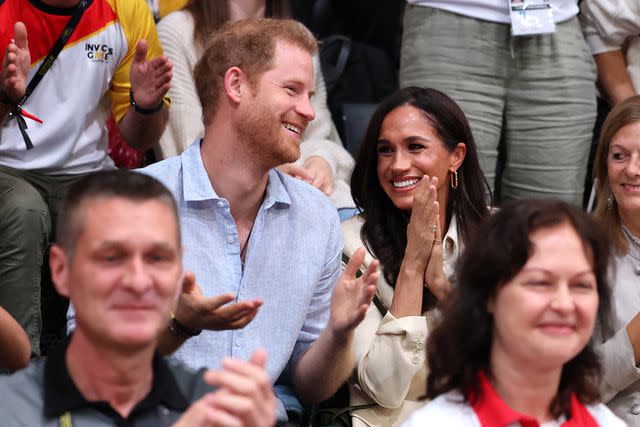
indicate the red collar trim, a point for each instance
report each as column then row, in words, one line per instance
column 492, row 411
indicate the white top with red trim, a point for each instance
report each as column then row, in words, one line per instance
column 89, row 79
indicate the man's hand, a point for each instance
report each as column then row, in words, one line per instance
column 150, row 80
column 196, row 311
column 16, row 64
column 244, row 397
column 315, row 171
column 351, row 297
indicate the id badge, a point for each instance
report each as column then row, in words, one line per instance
column 531, row 17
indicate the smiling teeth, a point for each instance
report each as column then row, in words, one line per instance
column 292, row 128
column 407, row 183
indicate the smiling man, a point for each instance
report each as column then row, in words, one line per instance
column 119, row 260
column 271, row 241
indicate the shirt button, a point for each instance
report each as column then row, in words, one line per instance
column 420, row 346
column 635, row 409
column 421, row 337
column 220, row 203
column 415, row 360
column 237, row 343
column 230, row 239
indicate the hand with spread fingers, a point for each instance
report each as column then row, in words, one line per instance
column 352, row 296
column 244, row 397
column 434, row 277
column 150, row 79
column 196, row 311
column 15, row 65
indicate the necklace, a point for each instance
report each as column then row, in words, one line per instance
column 634, row 248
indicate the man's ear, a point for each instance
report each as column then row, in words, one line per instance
column 234, row 83
column 457, row 156
column 59, row 264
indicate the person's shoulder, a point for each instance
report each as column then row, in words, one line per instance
column 189, row 380
column 22, row 392
column 178, row 22
column 163, row 170
column 129, row 10
column 179, row 17
column 448, row 409
column 304, row 195
column 603, row 416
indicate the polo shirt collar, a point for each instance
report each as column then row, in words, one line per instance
column 197, row 187
column 492, row 411
column 61, row 394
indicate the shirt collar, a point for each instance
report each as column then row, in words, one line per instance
column 61, row 394
column 195, row 181
column 451, row 243
column 492, row 411
column 197, row 187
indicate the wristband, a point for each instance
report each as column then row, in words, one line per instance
column 139, row 109
column 181, row 330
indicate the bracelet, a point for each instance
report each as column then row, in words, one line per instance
column 139, row 109
column 181, row 330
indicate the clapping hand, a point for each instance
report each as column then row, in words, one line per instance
column 150, row 79
column 423, row 223
column 244, row 397
column 434, row 276
column 352, row 296
column 16, row 64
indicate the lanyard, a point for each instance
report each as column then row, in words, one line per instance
column 45, row 66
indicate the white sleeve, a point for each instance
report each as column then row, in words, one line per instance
column 389, row 352
column 618, row 362
column 608, row 23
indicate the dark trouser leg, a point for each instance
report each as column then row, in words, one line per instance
column 25, row 225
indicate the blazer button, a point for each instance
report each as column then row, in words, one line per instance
column 635, row 409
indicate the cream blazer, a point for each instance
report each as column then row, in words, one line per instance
column 390, row 353
column 621, row 382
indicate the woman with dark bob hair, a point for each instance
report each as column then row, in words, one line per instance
column 514, row 345
column 421, row 195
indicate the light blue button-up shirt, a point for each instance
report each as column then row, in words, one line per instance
column 292, row 262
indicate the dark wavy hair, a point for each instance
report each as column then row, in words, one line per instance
column 385, row 227
column 460, row 346
column 209, row 15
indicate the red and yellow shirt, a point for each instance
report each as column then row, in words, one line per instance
column 88, row 80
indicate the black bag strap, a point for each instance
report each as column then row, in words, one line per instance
column 333, row 71
column 376, row 299
column 45, row 65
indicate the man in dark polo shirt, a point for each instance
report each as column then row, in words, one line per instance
column 119, row 259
